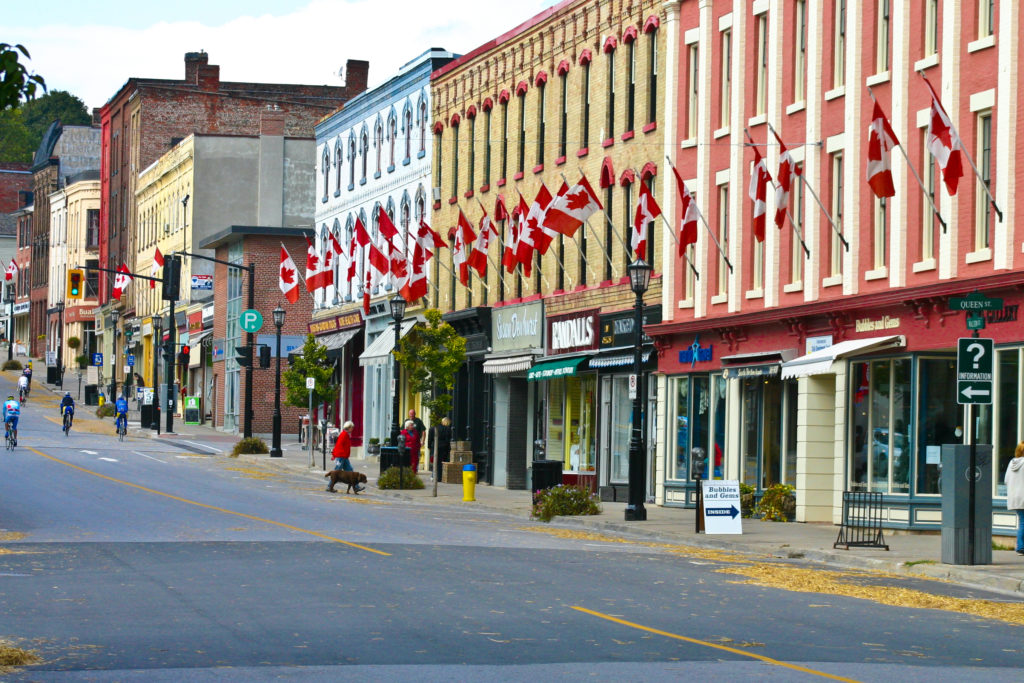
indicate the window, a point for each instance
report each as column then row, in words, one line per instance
column 378, row 143
column 836, row 255
column 404, row 219
column 699, row 424
column 423, row 124
column 542, row 89
column 504, row 139
column 610, row 120
column 761, row 75
column 882, row 37
column 351, row 161
column 723, row 238
column 487, row 147
column 392, row 139
column 627, row 216
column 757, row 259
column 652, row 75
column 563, row 117
column 407, row 126
column 689, row 281
column 927, row 213
column 585, row 123
column 726, row 89
column 691, row 104
column 986, row 18
column 839, row 45
column 983, row 220
column 880, row 454
column 438, row 167
column 325, row 170
column 881, row 232
column 609, row 211
column 471, row 182
column 338, row 162
column 931, row 27
column 92, row 228
column 522, row 133
column 800, row 52
column 92, row 278
column 797, row 251
column 651, row 227
column 631, row 88
column 455, row 158
column 364, row 149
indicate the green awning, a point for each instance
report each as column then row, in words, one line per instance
column 562, row 367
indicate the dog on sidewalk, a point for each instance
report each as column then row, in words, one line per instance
column 352, row 479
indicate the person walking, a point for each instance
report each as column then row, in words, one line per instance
column 342, row 450
column 421, row 429
column 1014, row 479
column 439, row 441
column 411, row 438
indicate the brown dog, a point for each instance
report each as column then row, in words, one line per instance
column 353, row 479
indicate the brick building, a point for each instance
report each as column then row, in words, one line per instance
column 22, row 285
column 577, row 89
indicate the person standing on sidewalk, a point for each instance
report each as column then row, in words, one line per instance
column 1014, row 479
column 411, row 439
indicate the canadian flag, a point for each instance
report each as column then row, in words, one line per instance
column 122, row 279
column 523, row 244
column 430, row 239
column 416, row 285
column 338, row 256
column 881, row 140
column 688, row 224
column 533, row 234
column 478, row 256
column 399, row 266
column 759, row 194
column 12, row 271
column 572, row 207
column 287, row 278
column 784, row 178
column 646, row 211
column 508, row 254
column 158, row 263
column 318, row 272
column 460, row 248
column 944, row 144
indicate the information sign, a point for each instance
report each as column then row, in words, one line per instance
column 974, row 360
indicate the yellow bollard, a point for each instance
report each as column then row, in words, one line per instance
column 101, row 399
column 469, row 483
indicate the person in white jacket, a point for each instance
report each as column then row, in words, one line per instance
column 1014, row 479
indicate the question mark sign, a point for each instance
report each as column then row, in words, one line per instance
column 979, row 352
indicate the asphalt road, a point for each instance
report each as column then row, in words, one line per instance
column 137, row 561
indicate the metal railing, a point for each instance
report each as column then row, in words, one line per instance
column 862, row 521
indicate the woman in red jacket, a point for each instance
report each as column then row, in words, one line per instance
column 411, row 438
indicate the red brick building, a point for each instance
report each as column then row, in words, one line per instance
column 14, row 178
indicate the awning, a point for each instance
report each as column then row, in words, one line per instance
column 380, row 350
column 756, row 363
column 618, row 360
column 194, row 339
column 820, row 362
column 334, row 343
column 562, row 367
column 508, row 365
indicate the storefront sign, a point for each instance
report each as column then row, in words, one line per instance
column 617, row 329
column 1007, row 314
column 877, row 324
column 77, row 314
column 818, row 343
column 22, row 308
column 517, row 327
column 722, row 507
column 335, row 323
column 195, row 321
column 572, row 332
column 695, row 353
column 768, row 370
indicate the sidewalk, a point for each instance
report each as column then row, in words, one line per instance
column 912, row 554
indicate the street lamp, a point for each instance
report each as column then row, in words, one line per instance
column 639, row 278
column 10, row 321
column 60, row 344
column 397, row 313
column 275, row 450
column 115, row 315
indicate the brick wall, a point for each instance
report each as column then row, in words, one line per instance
column 14, row 178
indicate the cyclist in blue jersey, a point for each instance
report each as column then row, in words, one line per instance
column 121, row 409
column 67, row 405
column 11, row 413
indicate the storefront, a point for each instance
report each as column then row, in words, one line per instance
column 21, row 327
column 343, row 338
column 472, row 398
column 377, row 363
column 517, row 339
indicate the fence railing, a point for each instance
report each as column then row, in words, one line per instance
column 862, row 521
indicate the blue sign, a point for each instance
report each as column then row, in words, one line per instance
column 695, row 353
column 97, row 359
column 131, row 360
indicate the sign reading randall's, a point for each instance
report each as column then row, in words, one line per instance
column 573, row 332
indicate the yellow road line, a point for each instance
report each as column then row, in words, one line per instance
column 695, row 641
column 209, row 507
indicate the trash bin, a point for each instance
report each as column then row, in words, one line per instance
column 52, row 374
column 146, row 415
column 956, row 524
column 388, row 458
column 546, row 473
column 91, row 394
column 469, row 483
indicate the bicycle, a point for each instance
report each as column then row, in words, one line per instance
column 67, row 422
column 122, row 427
column 9, row 440
column 23, row 394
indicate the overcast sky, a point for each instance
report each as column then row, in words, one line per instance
column 91, row 48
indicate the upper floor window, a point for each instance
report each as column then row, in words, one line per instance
column 563, row 115
column 585, row 122
column 881, row 232
column 931, row 27
column 726, row 88
column 631, row 85
column 652, row 70
column 338, row 161
column 364, row 151
column 693, row 82
column 983, row 222
column 610, row 97
column 541, row 128
column 392, row 140
column 836, row 251
column 522, row 132
column 986, row 17
column 378, row 143
column 325, row 170
column 723, row 238
column 839, row 44
column 92, row 228
column 471, row 157
column 455, row 157
column 351, row 161
column 761, row 72
column 882, row 36
column 487, row 143
column 800, row 52
column 438, row 166
column 423, row 124
column 407, row 126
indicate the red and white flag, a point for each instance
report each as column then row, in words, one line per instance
column 12, row 271
column 464, row 237
column 396, row 248
column 158, row 264
column 430, row 239
column 533, row 234
column 416, row 284
column 318, row 274
column 784, row 180
column 646, row 211
column 523, row 243
column 482, row 245
column 122, row 279
column 572, row 207
column 690, row 215
column 759, row 194
column 944, row 144
column 288, row 278
column 508, row 254
column 881, row 141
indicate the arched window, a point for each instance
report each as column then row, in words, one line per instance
column 338, row 161
column 407, row 130
column 422, row 107
column 421, row 204
column 338, row 263
column 455, row 155
column 378, row 142
column 389, row 209
column 404, row 221
column 364, row 150
column 392, row 139
column 320, row 297
column 350, row 287
column 351, row 160
column 325, row 170
column 651, row 29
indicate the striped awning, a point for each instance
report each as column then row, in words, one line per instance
column 618, row 361
column 506, row 366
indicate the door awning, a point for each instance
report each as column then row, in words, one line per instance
column 620, row 360
column 562, row 367
column 508, row 365
column 756, row 363
column 334, row 343
column 820, row 361
column 380, row 350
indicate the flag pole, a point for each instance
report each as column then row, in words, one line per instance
column 578, row 248
column 967, row 154
column 540, row 270
column 796, row 228
column 928, row 195
column 707, row 227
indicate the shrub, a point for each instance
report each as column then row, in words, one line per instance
column 251, row 445
column 105, row 410
column 12, row 364
column 778, row 503
column 389, row 480
column 565, row 500
column 747, row 500
column 83, row 361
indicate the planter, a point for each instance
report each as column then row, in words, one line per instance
column 373, row 449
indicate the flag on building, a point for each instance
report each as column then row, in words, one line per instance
column 533, row 231
column 759, row 194
column 12, row 271
column 396, row 248
column 572, row 207
column 482, row 245
column 944, row 144
column 646, row 211
column 460, row 248
column 158, row 264
column 881, row 141
column 288, row 278
column 524, row 246
column 318, row 274
column 784, row 183
column 690, row 215
column 415, row 286
column 122, row 279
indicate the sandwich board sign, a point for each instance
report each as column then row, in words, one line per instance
column 722, row 506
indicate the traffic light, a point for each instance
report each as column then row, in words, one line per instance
column 264, row 356
column 243, row 356
column 184, row 355
column 172, row 277
column 76, row 280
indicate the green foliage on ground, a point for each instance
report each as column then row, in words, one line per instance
column 12, row 364
column 253, row 444
column 747, row 500
column 105, row 410
column 565, row 501
column 778, row 503
column 389, row 480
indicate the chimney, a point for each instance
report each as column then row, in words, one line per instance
column 356, row 74
column 272, row 120
column 209, row 78
column 193, row 60
column 97, row 117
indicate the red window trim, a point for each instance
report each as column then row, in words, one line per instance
column 629, row 35
column 586, row 57
column 522, row 88
column 454, row 121
column 627, row 177
column 541, row 78
column 438, row 127
column 628, row 135
column 610, row 43
column 563, row 67
column 504, row 97
column 652, row 23
column 653, row 125
column 488, row 104
column 607, row 178
column 648, row 171
column 471, row 112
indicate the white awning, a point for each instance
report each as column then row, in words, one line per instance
column 618, row 361
column 820, row 362
column 508, row 365
column 380, row 350
column 335, row 342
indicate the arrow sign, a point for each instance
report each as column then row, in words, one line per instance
column 970, row 391
column 974, row 370
column 730, row 511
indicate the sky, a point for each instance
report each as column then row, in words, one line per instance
column 92, row 48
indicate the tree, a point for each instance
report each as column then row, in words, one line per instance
column 431, row 355
column 16, row 83
column 56, row 105
column 312, row 363
column 16, row 141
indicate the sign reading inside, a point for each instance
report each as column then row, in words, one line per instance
column 974, row 360
column 722, row 507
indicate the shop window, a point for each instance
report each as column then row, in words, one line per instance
column 768, row 433
column 880, row 448
column 1008, row 415
column 571, row 423
column 699, row 424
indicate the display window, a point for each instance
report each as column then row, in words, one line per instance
column 698, row 419
column 768, row 432
column 881, row 401
column 571, row 422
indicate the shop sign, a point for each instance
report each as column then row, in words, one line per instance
column 208, row 315
column 877, row 325
column 218, row 349
column 570, row 332
column 517, row 327
column 22, row 308
column 695, row 353
column 195, row 321
column 722, row 507
column 768, row 370
column 203, row 283
column 974, row 361
column 1007, row 314
column 335, row 323
column 617, row 329
column 818, row 343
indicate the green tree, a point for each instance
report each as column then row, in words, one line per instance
column 431, row 355
column 16, row 82
column 16, row 141
column 312, row 363
column 56, row 105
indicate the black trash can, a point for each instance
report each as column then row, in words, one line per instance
column 546, row 473
column 52, row 374
column 91, row 394
column 146, row 416
column 389, row 458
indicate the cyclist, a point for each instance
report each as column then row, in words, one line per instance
column 22, row 388
column 67, row 405
column 27, row 372
column 121, row 409
column 11, row 412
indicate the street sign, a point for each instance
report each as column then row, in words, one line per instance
column 251, row 320
column 974, row 361
column 975, row 322
column 632, row 387
column 310, row 383
column 974, row 301
column 130, row 361
column 721, row 507
column 97, row 359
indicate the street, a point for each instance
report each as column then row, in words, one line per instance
column 142, row 561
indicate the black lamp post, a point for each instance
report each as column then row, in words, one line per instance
column 639, row 278
column 275, row 450
column 10, row 321
column 397, row 313
column 115, row 315
column 157, row 323
column 60, row 344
